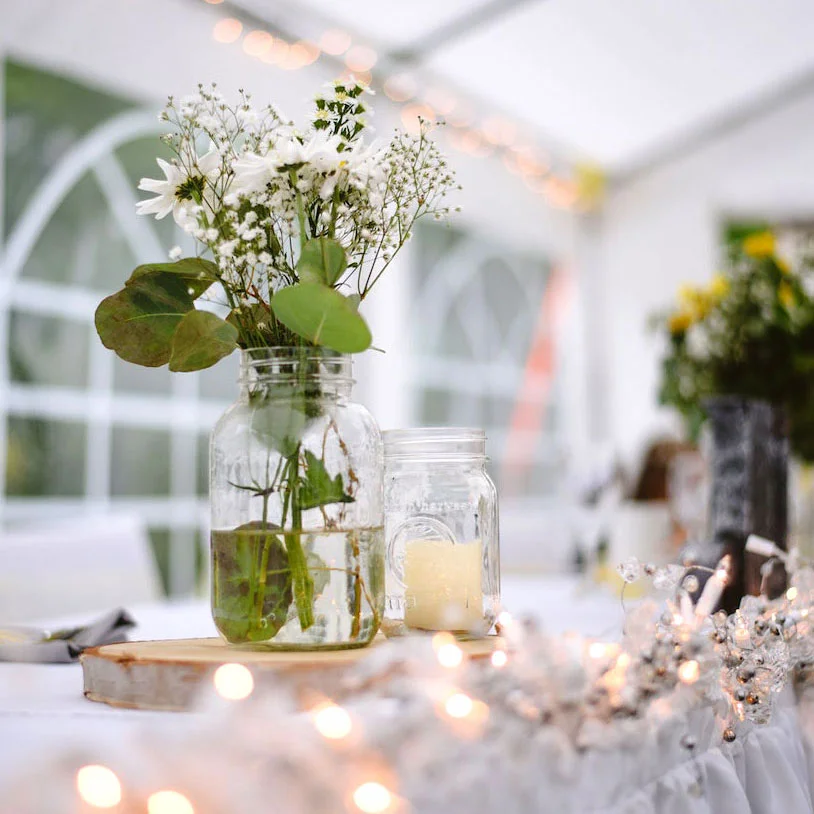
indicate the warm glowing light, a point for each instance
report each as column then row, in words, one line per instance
column 227, row 30
column 361, row 58
column 372, row 798
column 689, row 672
column 791, row 594
column 169, row 802
column 234, row 681
column 335, row 42
column 458, row 705
column 332, row 722
column 561, row 193
column 257, row 43
column 412, row 115
column 742, row 637
column 213, row 2
column 623, row 661
column 363, row 77
column 450, row 655
column 277, row 53
column 400, row 87
column 441, row 100
column 300, row 54
column 597, row 650
column 497, row 130
column 499, row 658
column 472, row 143
column 98, row 786
column 678, row 619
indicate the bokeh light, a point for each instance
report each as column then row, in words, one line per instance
column 689, row 672
column 412, row 115
column 332, row 722
column 277, row 53
column 98, row 786
column 227, row 30
column 499, row 658
column 360, row 58
column 335, row 42
column 372, row 798
column 257, row 43
column 233, row 682
column 169, row 802
column 400, row 87
column 458, row 705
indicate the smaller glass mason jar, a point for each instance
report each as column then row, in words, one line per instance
column 441, row 532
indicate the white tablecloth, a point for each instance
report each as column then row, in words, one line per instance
column 769, row 771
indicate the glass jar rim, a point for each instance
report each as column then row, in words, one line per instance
column 449, row 443
column 282, row 361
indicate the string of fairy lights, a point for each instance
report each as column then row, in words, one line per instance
column 353, row 752
column 492, row 136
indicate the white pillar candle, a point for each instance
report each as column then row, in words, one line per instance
column 443, row 585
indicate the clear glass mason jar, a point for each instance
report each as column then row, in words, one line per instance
column 441, row 529
column 295, row 488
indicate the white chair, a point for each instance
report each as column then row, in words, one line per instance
column 80, row 565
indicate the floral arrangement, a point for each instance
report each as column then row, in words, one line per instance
column 750, row 332
column 294, row 228
column 418, row 726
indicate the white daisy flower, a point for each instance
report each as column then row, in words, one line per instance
column 178, row 191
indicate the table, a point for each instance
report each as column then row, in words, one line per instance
column 42, row 707
column 771, row 770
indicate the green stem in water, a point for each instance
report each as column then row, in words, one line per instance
column 357, row 587
column 302, row 581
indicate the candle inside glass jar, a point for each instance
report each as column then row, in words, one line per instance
column 443, row 585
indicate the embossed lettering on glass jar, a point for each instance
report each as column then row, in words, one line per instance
column 441, row 529
column 297, row 515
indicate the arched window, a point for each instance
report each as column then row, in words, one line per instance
column 80, row 430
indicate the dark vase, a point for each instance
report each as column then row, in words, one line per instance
column 748, row 464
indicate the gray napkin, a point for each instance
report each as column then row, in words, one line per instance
column 64, row 646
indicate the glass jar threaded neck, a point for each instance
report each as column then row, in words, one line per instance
column 436, row 444
column 292, row 367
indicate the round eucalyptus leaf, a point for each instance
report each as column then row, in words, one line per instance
column 322, row 260
column 322, row 316
column 200, row 340
column 139, row 321
column 196, row 272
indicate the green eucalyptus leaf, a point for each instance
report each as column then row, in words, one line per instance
column 322, row 260
column 200, row 340
column 139, row 321
column 196, row 272
column 355, row 300
column 318, row 488
column 322, row 316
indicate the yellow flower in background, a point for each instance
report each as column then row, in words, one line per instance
column 694, row 301
column 783, row 265
column 785, row 294
column 760, row 244
column 680, row 322
column 719, row 287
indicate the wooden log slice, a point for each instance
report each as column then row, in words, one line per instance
column 168, row 675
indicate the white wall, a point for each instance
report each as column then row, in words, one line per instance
column 663, row 228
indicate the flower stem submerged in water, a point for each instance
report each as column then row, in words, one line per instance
column 260, row 576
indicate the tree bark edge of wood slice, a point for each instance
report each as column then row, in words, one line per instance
column 168, row 675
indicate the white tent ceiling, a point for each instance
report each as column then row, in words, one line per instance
column 615, row 81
